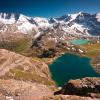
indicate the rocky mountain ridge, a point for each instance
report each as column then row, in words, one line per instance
column 78, row 23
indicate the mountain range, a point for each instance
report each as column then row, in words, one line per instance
column 29, row 46
column 75, row 24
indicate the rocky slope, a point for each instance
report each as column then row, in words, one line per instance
column 19, row 67
column 20, row 90
column 23, row 77
column 27, row 78
column 80, row 89
column 96, row 63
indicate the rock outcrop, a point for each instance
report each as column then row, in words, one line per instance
column 81, row 87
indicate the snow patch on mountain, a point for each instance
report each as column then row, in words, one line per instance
column 22, row 18
column 98, row 17
column 7, row 21
column 78, row 23
column 41, row 22
column 25, row 27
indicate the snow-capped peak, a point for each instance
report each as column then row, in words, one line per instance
column 22, row 18
column 9, row 15
column 74, row 16
column 98, row 17
column 79, row 23
column 9, row 18
column 41, row 22
column 53, row 20
column 40, row 19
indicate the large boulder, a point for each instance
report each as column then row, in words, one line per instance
column 82, row 87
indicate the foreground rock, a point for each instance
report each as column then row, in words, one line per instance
column 79, row 89
column 20, row 90
column 82, row 87
column 68, row 97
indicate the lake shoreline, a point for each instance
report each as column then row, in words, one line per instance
column 78, row 56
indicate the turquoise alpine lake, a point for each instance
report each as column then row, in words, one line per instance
column 79, row 41
column 70, row 66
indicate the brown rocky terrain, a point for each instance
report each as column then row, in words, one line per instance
column 27, row 78
column 80, row 89
column 16, row 66
column 96, row 63
column 23, row 77
column 82, row 86
column 19, row 90
column 68, row 97
column 16, row 42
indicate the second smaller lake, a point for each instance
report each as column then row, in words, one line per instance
column 79, row 41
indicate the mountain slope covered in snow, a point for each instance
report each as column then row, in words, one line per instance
column 78, row 24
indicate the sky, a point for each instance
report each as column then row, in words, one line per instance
column 49, row 8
